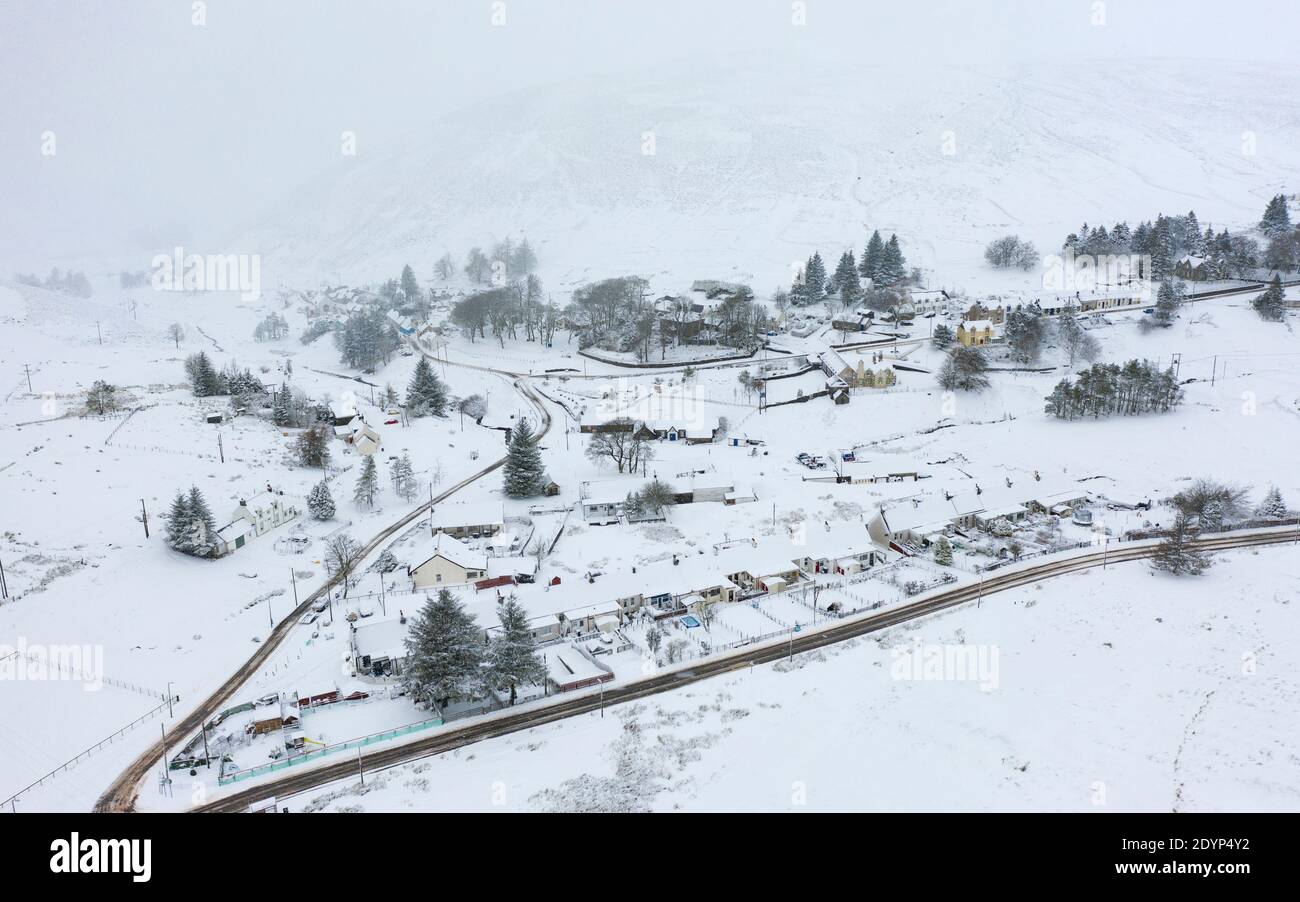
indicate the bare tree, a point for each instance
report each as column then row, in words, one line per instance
column 176, row 332
column 342, row 554
column 623, row 442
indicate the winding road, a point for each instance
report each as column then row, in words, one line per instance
column 121, row 794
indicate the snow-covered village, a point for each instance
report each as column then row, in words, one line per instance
column 769, row 432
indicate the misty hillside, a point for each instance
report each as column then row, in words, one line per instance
column 754, row 169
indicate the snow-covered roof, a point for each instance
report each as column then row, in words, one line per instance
column 477, row 513
column 833, row 363
column 977, row 325
column 456, row 551
column 381, row 638
column 566, row 665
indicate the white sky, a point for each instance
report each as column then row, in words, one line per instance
column 165, row 129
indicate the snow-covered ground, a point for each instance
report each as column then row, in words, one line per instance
column 1110, row 691
column 738, row 188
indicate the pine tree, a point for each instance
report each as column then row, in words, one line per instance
column 426, row 394
column 814, row 277
column 1277, row 218
column 178, row 525
column 846, row 282
column 525, row 475
column 367, row 484
column 410, row 285
column 1161, row 251
column 1271, row 304
column 512, row 654
column 320, row 502
column 943, row 552
column 282, row 408
column 1177, row 555
column 202, row 523
column 871, row 259
column 892, row 264
column 402, row 475
column 1272, row 507
column 445, row 653
column 1168, row 300
column 313, row 447
column 943, row 336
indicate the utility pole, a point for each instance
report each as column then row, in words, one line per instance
column 293, row 577
column 220, row 449
column 1214, row 370
column 4, row 587
column 29, row 377
column 269, row 619
column 144, row 518
column 207, row 756
column 166, row 780
column 98, row 332
column 360, row 768
column 169, row 699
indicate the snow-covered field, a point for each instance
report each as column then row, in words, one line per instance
column 1120, row 679
column 1110, row 691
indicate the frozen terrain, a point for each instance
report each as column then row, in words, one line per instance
column 732, row 169
column 1114, row 691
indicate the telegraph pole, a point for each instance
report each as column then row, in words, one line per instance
column 220, row 449
column 144, row 518
column 29, row 377
column 4, row 587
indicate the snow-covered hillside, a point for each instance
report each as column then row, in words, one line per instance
column 755, row 166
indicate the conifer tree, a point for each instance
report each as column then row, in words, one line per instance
column 203, row 525
column 410, row 284
column 525, row 475
column 1271, row 304
column 178, row 525
column 872, row 258
column 892, row 267
column 1177, row 555
column 282, row 408
column 426, row 394
column 512, row 653
column 814, row 278
column 320, row 503
column 445, row 653
column 943, row 552
column 402, row 475
column 1272, row 507
column 1277, row 218
column 367, row 484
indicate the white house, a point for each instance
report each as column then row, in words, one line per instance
column 452, row 563
column 267, row 510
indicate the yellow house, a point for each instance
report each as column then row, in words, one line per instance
column 975, row 334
